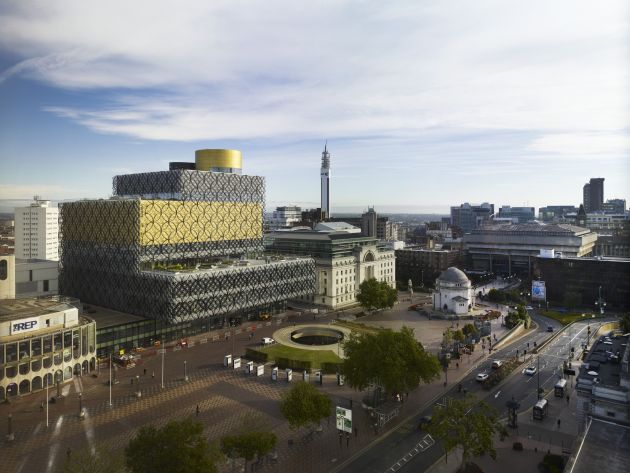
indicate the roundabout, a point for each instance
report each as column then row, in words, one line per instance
column 313, row 337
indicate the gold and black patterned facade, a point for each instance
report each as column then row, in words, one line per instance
column 164, row 246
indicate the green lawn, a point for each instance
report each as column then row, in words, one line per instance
column 316, row 357
column 564, row 319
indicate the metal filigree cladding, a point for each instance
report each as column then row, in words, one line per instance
column 148, row 251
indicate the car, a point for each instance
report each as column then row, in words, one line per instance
column 423, row 422
column 482, row 377
column 529, row 307
column 549, row 328
column 496, row 364
column 530, row 370
column 267, row 341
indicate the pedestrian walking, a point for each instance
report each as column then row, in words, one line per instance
column 347, row 439
column 356, row 432
column 558, row 423
column 68, row 453
column 145, row 371
column 197, row 410
column 153, row 374
column 568, row 399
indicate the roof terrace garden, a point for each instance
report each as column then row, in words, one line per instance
column 191, row 266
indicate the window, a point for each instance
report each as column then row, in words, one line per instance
column 3, row 270
column 46, row 286
column 36, row 346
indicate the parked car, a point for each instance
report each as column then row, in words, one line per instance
column 530, row 370
column 482, row 377
column 424, row 421
column 529, row 307
column 496, row 364
column 549, row 328
column 267, row 341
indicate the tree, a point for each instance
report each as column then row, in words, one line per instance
column 394, row 361
column 248, row 445
column 520, row 315
column 463, row 424
column 459, row 336
column 495, row 295
column 178, row 447
column 375, row 294
column 625, row 323
column 101, row 461
column 304, row 405
column 470, row 329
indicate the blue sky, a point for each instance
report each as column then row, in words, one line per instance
column 424, row 104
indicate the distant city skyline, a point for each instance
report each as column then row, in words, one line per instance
column 424, row 105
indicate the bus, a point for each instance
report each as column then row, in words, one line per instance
column 540, row 409
column 559, row 388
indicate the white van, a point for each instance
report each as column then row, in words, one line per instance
column 496, row 364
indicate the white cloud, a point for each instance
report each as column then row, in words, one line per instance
column 227, row 70
column 487, row 92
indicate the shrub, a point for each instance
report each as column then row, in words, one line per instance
column 551, row 464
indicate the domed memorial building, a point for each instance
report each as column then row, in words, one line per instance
column 453, row 292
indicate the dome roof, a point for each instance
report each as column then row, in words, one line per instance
column 454, row 275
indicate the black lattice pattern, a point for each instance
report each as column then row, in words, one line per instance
column 192, row 185
column 198, row 294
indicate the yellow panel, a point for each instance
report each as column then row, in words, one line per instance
column 165, row 222
column 206, row 159
column 101, row 221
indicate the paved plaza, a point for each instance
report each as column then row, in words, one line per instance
column 226, row 399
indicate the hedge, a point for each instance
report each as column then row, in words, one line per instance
column 257, row 356
column 296, row 365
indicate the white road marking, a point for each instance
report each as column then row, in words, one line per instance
column 497, row 394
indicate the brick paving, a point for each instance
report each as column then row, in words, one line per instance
column 226, row 398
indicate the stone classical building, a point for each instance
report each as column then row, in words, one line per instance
column 343, row 260
column 453, row 292
column 511, row 249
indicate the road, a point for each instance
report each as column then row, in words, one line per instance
column 406, row 441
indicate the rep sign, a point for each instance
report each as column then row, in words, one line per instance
column 24, row 325
column 538, row 291
column 344, row 419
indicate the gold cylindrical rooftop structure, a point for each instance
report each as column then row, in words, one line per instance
column 221, row 160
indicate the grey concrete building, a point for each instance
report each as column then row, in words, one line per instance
column 510, row 249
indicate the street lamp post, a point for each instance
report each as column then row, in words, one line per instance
column 110, row 380
column 47, row 399
column 600, row 302
column 163, row 351
column 10, row 434
column 538, row 371
column 185, row 371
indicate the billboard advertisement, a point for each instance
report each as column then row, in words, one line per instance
column 538, row 291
